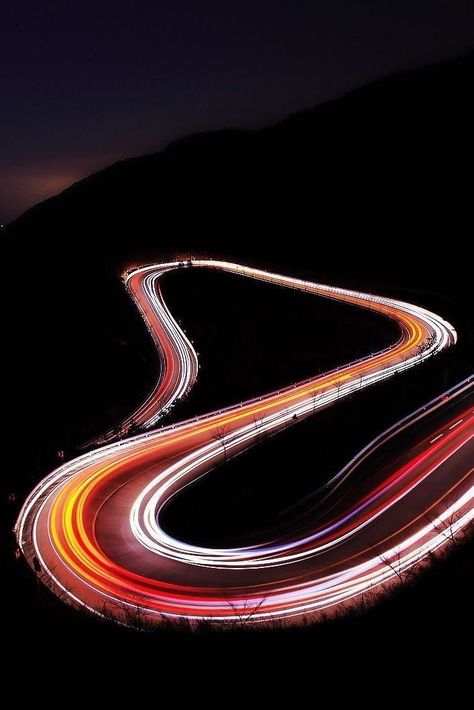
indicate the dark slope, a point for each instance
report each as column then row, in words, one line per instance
column 390, row 159
column 355, row 191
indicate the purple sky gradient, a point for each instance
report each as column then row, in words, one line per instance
column 85, row 84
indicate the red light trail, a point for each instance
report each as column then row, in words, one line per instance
column 93, row 524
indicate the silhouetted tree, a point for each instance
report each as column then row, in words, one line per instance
column 222, row 434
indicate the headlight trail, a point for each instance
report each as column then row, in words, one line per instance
column 93, row 525
column 178, row 359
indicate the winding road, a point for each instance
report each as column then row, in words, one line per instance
column 91, row 529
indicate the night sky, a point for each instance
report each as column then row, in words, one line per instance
column 84, row 84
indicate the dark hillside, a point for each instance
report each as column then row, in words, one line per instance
column 372, row 190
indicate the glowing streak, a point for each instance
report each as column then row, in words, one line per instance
column 64, row 521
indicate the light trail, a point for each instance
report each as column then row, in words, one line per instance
column 178, row 359
column 93, row 524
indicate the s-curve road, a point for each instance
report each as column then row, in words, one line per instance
column 92, row 527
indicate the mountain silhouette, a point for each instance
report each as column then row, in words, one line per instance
column 377, row 173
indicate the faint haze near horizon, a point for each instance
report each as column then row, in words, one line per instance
column 87, row 85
